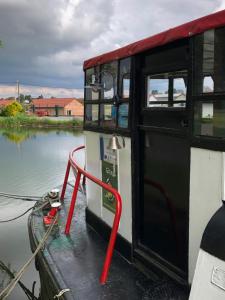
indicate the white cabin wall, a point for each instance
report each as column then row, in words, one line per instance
column 94, row 194
column 202, row 287
column 205, row 197
column 93, row 166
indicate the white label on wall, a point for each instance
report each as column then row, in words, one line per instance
column 218, row 277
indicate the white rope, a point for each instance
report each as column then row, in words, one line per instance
column 6, row 292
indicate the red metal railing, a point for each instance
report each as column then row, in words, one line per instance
column 111, row 244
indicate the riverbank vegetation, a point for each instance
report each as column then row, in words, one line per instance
column 22, row 120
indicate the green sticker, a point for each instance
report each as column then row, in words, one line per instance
column 109, row 176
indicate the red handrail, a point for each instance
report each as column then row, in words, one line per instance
column 111, row 244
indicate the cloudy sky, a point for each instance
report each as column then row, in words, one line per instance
column 46, row 41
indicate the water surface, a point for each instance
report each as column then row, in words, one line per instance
column 31, row 163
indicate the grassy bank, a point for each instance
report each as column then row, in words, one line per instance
column 35, row 122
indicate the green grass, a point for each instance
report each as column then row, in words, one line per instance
column 22, row 120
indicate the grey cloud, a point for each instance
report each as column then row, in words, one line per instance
column 46, row 41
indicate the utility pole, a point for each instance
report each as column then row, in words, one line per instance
column 18, row 90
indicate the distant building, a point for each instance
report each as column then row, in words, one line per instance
column 157, row 100
column 5, row 102
column 58, row 107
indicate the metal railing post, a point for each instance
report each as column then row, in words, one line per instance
column 112, row 240
column 72, row 204
column 65, row 181
column 109, row 188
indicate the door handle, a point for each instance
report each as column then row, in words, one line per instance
column 184, row 123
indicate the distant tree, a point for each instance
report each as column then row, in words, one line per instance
column 28, row 97
column 154, row 92
column 40, row 97
column 21, row 98
column 12, row 109
column 10, row 98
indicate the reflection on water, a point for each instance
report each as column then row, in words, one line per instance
column 19, row 135
column 31, row 162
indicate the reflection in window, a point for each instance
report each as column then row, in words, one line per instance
column 108, row 115
column 208, row 84
column 124, row 85
column 91, row 114
column 157, row 90
column 179, row 91
column 123, row 115
column 109, row 80
column 167, row 89
column 210, row 61
column 91, row 77
column 126, row 88
column 209, row 118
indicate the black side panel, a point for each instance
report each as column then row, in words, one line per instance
column 164, row 219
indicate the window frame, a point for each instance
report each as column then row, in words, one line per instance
column 203, row 141
column 170, row 100
column 117, row 102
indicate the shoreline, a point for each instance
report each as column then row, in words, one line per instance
column 23, row 121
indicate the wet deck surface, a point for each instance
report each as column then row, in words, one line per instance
column 76, row 262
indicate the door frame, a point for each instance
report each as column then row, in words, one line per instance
column 140, row 255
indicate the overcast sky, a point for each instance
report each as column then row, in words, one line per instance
column 46, row 41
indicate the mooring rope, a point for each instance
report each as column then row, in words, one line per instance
column 30, row 295
column 5, row 293
column 24, row 213
column 19, row 197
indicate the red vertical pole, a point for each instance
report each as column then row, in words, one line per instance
column 72, row 204
column 65, row 180
column 112, row 240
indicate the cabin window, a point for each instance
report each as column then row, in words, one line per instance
column 108, row 115
column 92, row 76
column 210, row 62
column 123, row 115
column 91, row 114
column 209, row 118
column 209, row 84
column 107, row 96
column 109, row 80
column 167, row 89
column 124, row 82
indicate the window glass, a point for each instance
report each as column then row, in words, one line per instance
column 108, row 115
column 124, row 82
column 109, row 80
column 126, row 87
column 210, row 61
column 167, row 89
column 91, row 114
column 158, row 90
column 179, row 90
column 209, row 118
column 123, row 115
column 91, row 92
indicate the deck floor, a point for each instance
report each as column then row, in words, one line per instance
column 76, row 262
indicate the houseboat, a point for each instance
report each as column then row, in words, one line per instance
column 154, row 126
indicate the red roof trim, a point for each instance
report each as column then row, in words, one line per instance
column 183, row 31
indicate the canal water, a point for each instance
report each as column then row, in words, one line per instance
column 31, row 163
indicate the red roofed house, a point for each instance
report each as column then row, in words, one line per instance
column 5, row 102
column 58, row 107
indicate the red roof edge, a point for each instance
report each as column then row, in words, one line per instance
column 197, row 26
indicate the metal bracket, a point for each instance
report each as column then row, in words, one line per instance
column 62, row 292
